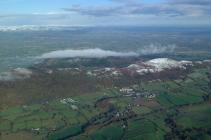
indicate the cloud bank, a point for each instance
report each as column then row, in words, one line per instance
column 87, row 53
column 157, row 49
column 99, row 53
column 167, row 8
column 114, row 12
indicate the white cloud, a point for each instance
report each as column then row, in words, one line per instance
column 122, row 12
column 86, row 53
column 157, row 49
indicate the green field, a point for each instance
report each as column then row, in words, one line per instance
column 181, row 104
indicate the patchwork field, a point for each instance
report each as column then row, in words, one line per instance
column 94, row 109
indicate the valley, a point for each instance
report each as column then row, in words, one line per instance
column 121, row 98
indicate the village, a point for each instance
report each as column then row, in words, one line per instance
column 131, row 92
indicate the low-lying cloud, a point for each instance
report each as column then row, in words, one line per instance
column 157, row 49
column 87, row 53
column 100, row 53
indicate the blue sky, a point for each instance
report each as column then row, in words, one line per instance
column 105, row 12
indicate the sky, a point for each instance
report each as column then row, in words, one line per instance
column 105, row 12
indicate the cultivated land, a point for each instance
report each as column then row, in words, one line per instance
column 101, row 99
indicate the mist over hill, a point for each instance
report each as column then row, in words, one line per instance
column 20, row 45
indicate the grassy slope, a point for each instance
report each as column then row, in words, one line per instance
column 19, row 121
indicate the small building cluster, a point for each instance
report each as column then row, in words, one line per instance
column 127, row 90
column 67, row 100
column 150, row 96
column 130, row 92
